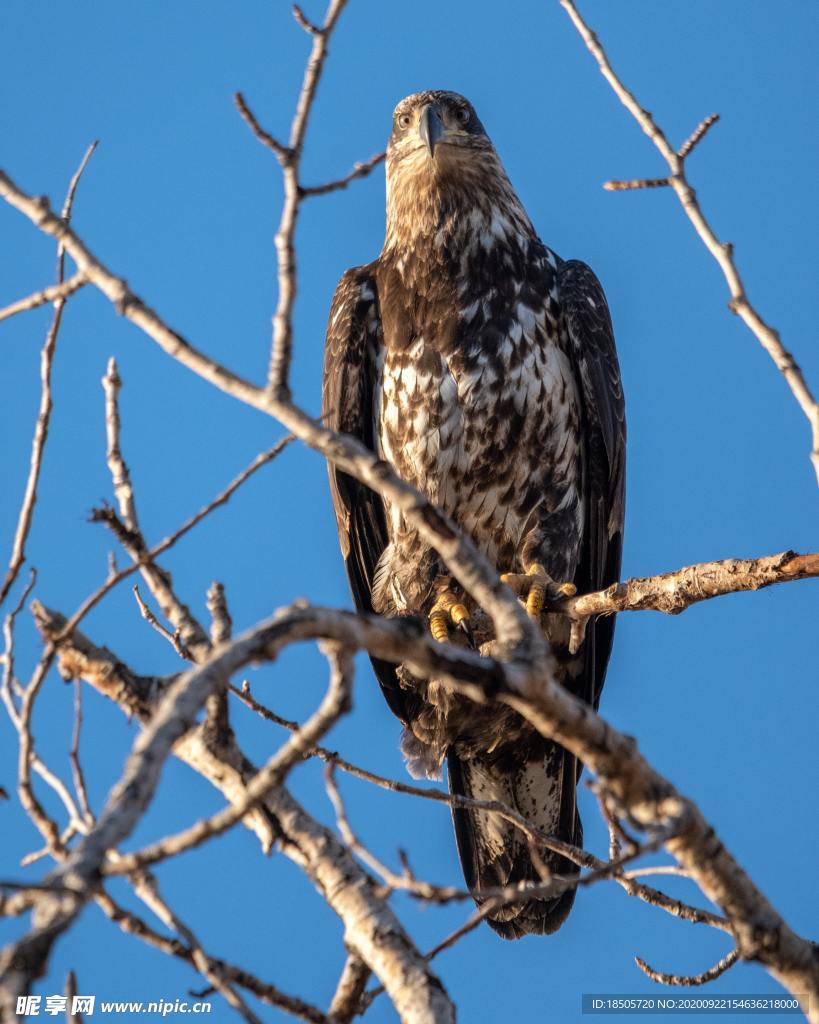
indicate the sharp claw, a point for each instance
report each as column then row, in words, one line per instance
column 467, row 629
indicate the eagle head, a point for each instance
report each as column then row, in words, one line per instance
column 435, row 127
column 441, row 166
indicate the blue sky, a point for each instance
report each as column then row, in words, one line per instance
column 181, row 200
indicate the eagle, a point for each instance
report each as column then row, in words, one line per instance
column 482, row 367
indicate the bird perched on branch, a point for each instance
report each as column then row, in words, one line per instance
column 482, row 367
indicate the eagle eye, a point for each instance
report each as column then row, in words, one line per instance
column 462, row 115
column 404, row 120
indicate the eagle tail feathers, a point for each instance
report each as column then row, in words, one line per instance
column 495, row 853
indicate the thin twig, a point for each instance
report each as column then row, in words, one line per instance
column 281, row 152
column 71, row 1016
column 26, row 516
column 635, row 183
column 360, row 170
column 54, row 293
column 74, row 756
column 696, row 137
column 173, row 636
column 687, row 980
column 549, row 887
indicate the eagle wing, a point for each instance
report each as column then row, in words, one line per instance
column 591, row 338
column 351, row 352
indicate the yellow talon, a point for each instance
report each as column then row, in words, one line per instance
column 437, row 625
column 537, row 592
column 537, row 585
column 448, row 608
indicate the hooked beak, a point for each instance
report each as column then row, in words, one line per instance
column 430, row 128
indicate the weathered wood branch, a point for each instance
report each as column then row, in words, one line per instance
column 673, row 592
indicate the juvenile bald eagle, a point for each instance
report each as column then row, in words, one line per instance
column 482, row 367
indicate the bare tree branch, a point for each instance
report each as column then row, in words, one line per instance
column 350, row 989
column 703, row 978
column 723, row 252
column 673, row 592
column 53, row 293
column 632, row 184
column 632, row 794
column 360, row 170
column 266, row 139
column 173, row 636
column 696, row 137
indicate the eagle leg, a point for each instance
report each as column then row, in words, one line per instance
column 448, row 608
column 536, row 584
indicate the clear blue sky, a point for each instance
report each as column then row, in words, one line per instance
column 183, row 201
